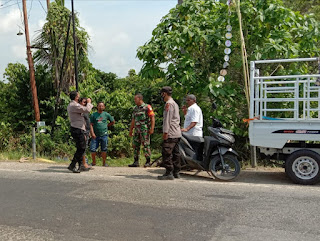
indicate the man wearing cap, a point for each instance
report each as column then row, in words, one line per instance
column 171, row 136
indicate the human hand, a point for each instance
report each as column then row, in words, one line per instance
column 89, row 100
column 151, row 131
column 93, row 136
column 165, row 136
column 184, row 130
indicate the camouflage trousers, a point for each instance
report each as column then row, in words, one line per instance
column 144, row 139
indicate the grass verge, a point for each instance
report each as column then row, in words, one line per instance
column 113, row 162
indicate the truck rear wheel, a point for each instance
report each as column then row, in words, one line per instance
column 303, row 167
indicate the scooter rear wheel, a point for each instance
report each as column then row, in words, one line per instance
column 227, row 173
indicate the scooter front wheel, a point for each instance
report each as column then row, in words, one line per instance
column 229, row 171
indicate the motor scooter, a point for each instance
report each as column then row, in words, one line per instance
column 213, row 153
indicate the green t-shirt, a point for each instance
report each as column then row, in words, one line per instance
column 100, row 123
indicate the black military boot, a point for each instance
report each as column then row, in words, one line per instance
column 166, row 176
column 148, row 163
column 72, row 167
column 135, row 163
column 176, row 175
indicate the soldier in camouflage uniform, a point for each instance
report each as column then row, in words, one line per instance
column 143, row 122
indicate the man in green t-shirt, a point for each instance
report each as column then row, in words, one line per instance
column 100, row 121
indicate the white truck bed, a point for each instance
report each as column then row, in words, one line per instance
column 276, row 133
column 283, row 108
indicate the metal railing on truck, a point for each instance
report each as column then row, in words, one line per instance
column 289, row 97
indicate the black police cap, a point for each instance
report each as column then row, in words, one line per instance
column 166, row 89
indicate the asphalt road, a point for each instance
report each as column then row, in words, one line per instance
column 46, row 202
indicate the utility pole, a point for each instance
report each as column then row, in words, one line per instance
column 31, row 67
column 75, row 48
column 48, row 4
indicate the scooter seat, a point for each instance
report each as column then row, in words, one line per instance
column 191, row 138
column 226, row 131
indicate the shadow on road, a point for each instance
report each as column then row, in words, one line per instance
column 266, row 177
column 249, row 176
column 136, row 176
column 55, row 169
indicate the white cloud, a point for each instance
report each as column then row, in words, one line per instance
column 41, row 22
column 9, row 21
column 121, row 39
column 116, row 30
column 19, row 51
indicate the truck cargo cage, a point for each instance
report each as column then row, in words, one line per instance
column 283, row 108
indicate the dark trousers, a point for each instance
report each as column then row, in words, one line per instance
column 171, row 155
column 79, row 137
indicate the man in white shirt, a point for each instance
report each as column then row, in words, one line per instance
column 193, row 122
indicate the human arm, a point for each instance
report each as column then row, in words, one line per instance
column 131, row 127
column 167, row 116
column 193, row 117
column 111, row 119
column 111, row 123
column 153, row 121
column 92, row 132
column 184, row 110
column 80, row 108
column 192, row 124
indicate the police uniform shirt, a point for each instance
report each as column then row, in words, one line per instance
column 75, row 111
column 171, row 119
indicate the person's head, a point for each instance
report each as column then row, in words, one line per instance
column 101, row 106
column 190, row 100
column 83, row 101
column 166, row 92
column 138, row 99
column 74, row 95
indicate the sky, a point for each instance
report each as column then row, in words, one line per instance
column 116, row 29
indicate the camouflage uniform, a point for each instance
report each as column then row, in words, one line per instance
column 141, row 115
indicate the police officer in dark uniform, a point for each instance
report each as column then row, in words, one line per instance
column 171, row 136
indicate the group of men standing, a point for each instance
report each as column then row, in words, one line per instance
column 83, row 126
column 142, row 126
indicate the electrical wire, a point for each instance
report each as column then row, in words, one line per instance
column 21, row 15
column 5, row 3
column 9, row 5
column 42, row 6
column 30, row 9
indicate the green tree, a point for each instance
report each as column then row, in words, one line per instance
column 51, row 42
column 305, row 7
column 187, row 48
column 187, row 51
column 16, row 95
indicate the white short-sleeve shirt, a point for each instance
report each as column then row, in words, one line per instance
column 194, row 114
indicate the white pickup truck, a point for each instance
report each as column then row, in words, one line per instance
column 285, row 118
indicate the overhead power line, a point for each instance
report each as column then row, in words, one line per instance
column 8, row 5
column 42, row 6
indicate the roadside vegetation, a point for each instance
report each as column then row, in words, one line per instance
column 186, row 51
